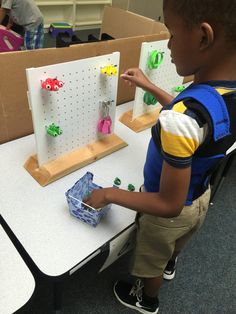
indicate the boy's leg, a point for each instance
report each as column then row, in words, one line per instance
column 158, row 239
column 39, row 37
column 155, row 244
column 152, row 286
column 199, row 209
column 33, row 39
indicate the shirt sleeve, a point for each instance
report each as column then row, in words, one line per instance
column 180, row 135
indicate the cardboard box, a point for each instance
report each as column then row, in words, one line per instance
column 129, row 29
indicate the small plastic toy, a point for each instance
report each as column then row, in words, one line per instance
column 179, row 89
column 149, row 99
column 117, row 181
column 56, row 28
column 9, row 40
column 155, row 59
column 110, row 70
column 52, row 84
column 104, row 124
column 131, row 187
column 53, row 130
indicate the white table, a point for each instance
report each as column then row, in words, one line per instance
column 56, row 241
column 16, row 281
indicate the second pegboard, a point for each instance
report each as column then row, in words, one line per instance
column 75, row 108
column 164, row 75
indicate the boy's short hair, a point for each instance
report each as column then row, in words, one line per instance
column 220, row 13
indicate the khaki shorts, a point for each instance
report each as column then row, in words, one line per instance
column 158, row 238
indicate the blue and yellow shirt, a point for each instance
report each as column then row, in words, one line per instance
column 184, row 137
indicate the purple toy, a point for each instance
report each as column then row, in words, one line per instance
column 56, row 28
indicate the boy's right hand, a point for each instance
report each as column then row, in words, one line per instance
column 136, row 77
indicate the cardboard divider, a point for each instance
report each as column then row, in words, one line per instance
column 123, row 24
column 74, row 160
column 15, row 115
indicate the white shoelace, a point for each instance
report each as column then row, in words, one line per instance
column 137, row 290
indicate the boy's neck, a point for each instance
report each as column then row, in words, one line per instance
column 223, row 68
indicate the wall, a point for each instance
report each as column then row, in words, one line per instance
column 81, row 14
column 149, row 8
column 122, row 4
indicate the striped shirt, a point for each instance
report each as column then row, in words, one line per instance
column 183, row 137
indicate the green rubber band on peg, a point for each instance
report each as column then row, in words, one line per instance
column 149, row 99
column 53, row 130
column 155, row 59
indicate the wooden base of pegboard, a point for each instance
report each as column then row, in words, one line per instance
column 74, row 160
column 142, row 122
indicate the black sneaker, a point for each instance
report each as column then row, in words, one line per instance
column 169, row 272
column 132, row 297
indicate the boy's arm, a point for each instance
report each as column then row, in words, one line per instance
column 168, row 202
column 10, row 23
column 136, row 77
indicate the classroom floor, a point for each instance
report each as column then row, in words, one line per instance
column 50, row 42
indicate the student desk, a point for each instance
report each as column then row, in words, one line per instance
column 57, row 242
column 16, row 281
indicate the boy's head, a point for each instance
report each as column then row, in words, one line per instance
column 203, row 27
column 220, row 13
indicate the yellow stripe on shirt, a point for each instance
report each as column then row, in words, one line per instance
column 223, row 91
column 179, row 107
column 178, row 146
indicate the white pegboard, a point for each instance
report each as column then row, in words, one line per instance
column 165, row 76
column 75, row 108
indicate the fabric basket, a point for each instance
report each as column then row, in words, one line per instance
column 77, row 208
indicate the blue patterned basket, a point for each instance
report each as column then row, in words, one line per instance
column 77, row 208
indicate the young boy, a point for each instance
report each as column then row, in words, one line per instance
column 193, row 133
column 26, row 14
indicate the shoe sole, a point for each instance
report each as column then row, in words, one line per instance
column 133, row 306
column 169, row 277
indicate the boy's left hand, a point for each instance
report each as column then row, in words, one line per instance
column 97, row 198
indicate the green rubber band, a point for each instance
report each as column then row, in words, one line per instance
column 149, row 99
column 131, row 187
column 53, row 130
column 155, row 59
column 117, row 181
column 179, row 89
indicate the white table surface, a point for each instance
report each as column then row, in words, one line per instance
column 16, row 281
column 39, row 216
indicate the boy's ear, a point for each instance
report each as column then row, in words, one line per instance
column 207, row 36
